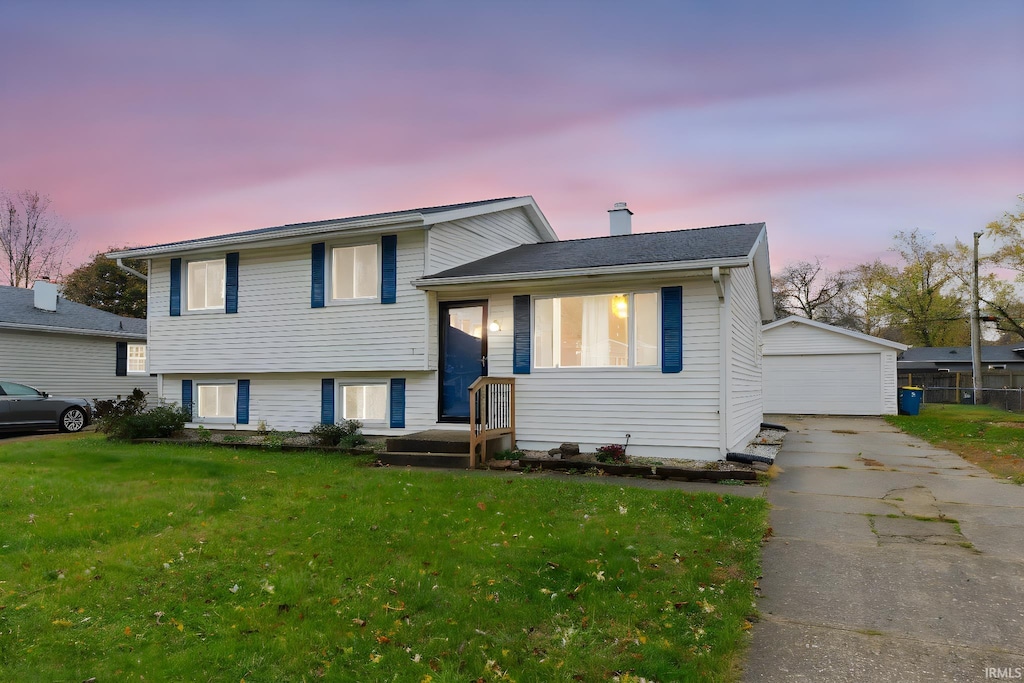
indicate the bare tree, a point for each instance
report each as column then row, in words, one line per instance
column 808, row 290
column 33, row 240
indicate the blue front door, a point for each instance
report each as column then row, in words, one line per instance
column 463, row 355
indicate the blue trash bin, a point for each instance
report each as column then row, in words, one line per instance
column 910, row 400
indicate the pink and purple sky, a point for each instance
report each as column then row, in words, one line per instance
column 837, row 123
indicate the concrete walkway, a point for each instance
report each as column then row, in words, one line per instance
column 858, row 586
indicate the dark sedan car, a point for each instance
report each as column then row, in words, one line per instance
column 25, row 409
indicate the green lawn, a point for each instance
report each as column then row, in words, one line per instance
column 989, row 437
column 125, row 562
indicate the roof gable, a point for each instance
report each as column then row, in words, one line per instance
column 18, row 311
column 831, row 329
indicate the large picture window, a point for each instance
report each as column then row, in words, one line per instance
column 596, row 331
column 365, row 402
column 216, row 401
column 354, row 272
column 206, row 285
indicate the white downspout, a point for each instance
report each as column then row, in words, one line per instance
column 725, row 357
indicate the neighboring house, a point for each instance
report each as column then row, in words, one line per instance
column 811, row 368
column 69, row 349
column 943, row 366
column 389, row 318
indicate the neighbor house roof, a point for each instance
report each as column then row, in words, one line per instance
column 18, row 312
column 696, row 248
column 817, row 324
column 936, row 357
column 422, row 217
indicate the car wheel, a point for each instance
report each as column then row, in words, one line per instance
column 73, row 420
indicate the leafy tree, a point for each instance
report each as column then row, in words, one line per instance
column 101, row 284
column 33, row 240
column 1001, row 299
column 922, row 297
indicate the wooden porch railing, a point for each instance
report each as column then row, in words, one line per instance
column 492, row 413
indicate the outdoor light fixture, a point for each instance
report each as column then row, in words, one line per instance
column 620, row 305
column 495, row 326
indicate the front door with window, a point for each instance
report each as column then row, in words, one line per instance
column 463, row 356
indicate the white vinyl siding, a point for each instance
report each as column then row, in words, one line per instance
column 745, row 409
column 77, row 366
column 364, row 402
column 355, row 272
column 672, row 415
column 291, row 401
column 279, row 332
column 136, row 358
column 469, row 239
column 205, row 286
column 215, row 401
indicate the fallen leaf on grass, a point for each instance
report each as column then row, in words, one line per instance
column 481, row 505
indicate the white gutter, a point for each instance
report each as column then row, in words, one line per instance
column 131, row 271
column 73, row 330
column 664, row 266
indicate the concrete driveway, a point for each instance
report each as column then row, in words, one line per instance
column 891, row 560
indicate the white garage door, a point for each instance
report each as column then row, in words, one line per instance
column 848, row 384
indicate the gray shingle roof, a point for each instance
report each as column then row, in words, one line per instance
column 934, row 357
column 696, row 244
column 340, row 222
column 17, row 307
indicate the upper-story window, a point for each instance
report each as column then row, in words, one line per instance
column 137, row 358
column 355, row 272
column 604, row 330
column 206, row 285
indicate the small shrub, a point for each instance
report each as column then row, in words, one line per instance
column 261, row 428
column 509, row 454
column 134, row 404
column 347, row 434
column 273, row 440
column 204, row 434
column 157, row 423
column 611, row 453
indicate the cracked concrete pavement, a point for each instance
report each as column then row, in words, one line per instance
column 891, row 560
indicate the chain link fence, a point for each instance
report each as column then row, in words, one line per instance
column 1006, row 399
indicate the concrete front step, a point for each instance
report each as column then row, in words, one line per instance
column 431, row 441
column 419, row 459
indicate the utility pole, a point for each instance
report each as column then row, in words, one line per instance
column 976, row 326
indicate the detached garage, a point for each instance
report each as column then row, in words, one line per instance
column 810, row 368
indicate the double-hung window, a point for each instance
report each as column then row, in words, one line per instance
column 206, row 285
column 364, row 402
column 355, row 272
column 596, row 331
column 216, row 401
column 136, row 358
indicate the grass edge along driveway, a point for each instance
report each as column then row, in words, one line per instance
column 988, row 437
column 189, row 563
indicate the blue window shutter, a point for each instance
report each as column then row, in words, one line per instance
column 242, row 402
column 231, row 284
column 327, row 401
column 121, row 364
column 316, row 295
column 388, row 269
column 671, row 329
column 521, row 334
column 186, row 395
column 175, row 286
column 397, row 399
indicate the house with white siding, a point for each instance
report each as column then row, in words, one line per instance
column 69, row 349
column 390, row 318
